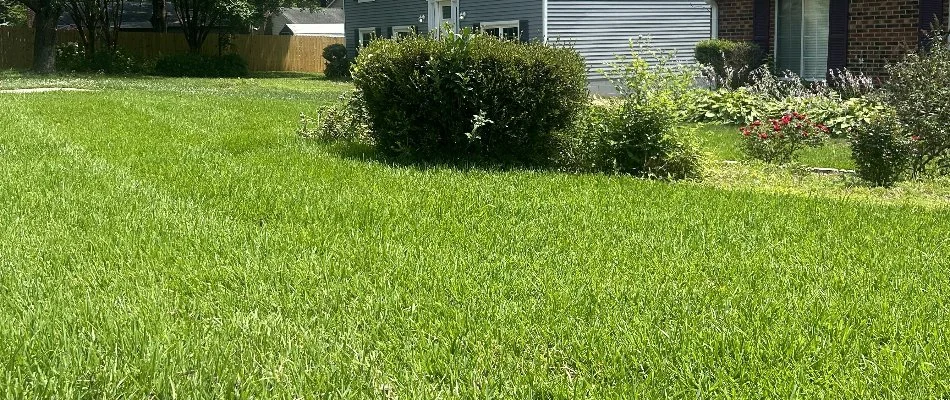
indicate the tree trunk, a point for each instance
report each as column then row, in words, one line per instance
column 158, row 16
column 44, row 45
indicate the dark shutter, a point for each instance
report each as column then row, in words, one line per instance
column 931, row 11
column 838, row 34
column 523, row 30
column 476, row 27
column 356, row 44
column 379, row 33
column 761, row 20
column 389, row 33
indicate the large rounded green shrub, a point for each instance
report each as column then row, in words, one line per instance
column 469, row 98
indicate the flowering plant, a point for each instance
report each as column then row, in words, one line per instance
column 779, row 140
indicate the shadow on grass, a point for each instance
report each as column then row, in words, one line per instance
column 365, row 152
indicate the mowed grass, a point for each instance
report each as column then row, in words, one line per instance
column 175, row 239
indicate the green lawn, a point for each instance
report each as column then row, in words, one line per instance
column 174, row 238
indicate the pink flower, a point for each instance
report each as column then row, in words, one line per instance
column 915, row 138
column 763, row 135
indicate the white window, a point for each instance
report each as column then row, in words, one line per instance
column 801, row 37
column 367, row 35
column 400, row 32
column 508, row 30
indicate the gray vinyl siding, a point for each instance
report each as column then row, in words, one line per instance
column 382, row 14
column 481, row 11
column 602, row 29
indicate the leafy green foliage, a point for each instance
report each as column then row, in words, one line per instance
column 630, row 138
column 344, row 120
column 729, row 106
column 730, row 62
column 337, row 62
column 780, row 140
column 469, row 98
column 70, row 57
column 202, row 66
column 920, row 95
column 881, row 149
column 12, row 13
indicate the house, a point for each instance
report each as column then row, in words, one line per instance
column 326, row 21
column 599, row 29
column 809, row 37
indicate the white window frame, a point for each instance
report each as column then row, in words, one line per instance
column 370, row 30
column 801, row 51
column 501, row 25
column 410, row 29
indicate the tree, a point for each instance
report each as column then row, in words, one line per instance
column 200, row 17
column 46, row 15
column 158, row 16
column 12, row 13
column 98, row 22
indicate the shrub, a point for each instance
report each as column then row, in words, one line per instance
column 469, row 98
column 643, row 133
column 343, row 121
column 337, row 62
column 880, row 148
column 202, row 66
column 629, row 138
column 920, row 95
column 730, row 62
column 70, row 57
column 779, row 140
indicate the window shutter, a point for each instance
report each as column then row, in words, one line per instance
column 523, row 30
column 838, row 19
column 389, row 32
column 476, row 27
column 356, row 41
column 761, row 20
column 379, row 33
column 931, row 11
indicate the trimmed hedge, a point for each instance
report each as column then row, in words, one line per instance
column 202, row 66
column 469, row 98
column 740, row 57
column 337, row 62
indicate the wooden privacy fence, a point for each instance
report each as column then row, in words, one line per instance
column 262, row 52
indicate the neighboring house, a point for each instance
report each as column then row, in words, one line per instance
column 302, row 21
column 326, row 30
column 599, row 29
column 809, row 37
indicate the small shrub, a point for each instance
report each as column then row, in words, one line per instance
column 730, row 62
column 642, row 133
column 345, row 120
column 202, row 66
column 469, row 98
column 71, row 58
column 628, row 138
column 337, row 62
column 779, row 140
column 881, row 150
column 919, row 93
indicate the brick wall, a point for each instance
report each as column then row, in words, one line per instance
column 879, row 31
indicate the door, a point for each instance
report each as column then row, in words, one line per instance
column 442, row 14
